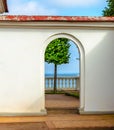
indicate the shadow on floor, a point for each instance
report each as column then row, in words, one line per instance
column 61, row 104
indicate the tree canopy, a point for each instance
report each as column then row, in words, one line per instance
column 57, row 51
column 109, row 10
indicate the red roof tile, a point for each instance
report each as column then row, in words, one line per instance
column 55, row 18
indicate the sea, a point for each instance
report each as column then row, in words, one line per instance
column 63, row 75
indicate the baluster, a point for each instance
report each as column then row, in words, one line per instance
column 45, row 83
column 59, row 83
column 78, row 83
column 51, row 83
column 72, row 83
column 69, row 82
column 48, row 83
column 65, row 84
column 75, row 83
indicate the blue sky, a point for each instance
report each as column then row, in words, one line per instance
column 57, row 7
column 61, row 8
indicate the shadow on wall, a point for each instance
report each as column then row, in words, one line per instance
column 100, row 74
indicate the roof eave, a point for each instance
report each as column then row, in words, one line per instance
column 23, row 18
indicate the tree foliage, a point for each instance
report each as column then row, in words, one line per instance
column 109, row 10
column 57, row 52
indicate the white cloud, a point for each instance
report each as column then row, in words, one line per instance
column 30, row 7
column 74, row 3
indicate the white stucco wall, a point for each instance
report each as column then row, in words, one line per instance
column 99, row 71
column 22, row 68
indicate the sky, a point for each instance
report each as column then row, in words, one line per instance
column 61, row 8
column 57, row 7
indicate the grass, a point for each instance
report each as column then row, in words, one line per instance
column 52, row 92
column 73, row 94
column 67, row 93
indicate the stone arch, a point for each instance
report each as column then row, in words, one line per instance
column 82, row 63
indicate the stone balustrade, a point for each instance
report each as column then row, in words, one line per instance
column 63, row 83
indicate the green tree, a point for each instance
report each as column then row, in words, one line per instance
column 57, row 52
column 109, row 10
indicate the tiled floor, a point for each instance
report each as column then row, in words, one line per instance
column 59, row 120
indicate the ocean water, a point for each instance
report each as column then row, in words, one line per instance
column 63, row 75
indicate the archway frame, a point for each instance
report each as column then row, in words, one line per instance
column 82, row 65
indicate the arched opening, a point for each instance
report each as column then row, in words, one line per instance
column 81, row 63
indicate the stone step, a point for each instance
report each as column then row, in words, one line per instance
column 62, row 110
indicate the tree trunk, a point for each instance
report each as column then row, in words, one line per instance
column 55, row 78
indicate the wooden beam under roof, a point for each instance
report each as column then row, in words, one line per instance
column 3, row 6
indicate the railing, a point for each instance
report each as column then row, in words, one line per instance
column 63, row 83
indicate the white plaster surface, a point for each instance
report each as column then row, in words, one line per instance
column 22, row 68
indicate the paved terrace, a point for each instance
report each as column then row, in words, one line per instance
column 59, row 120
